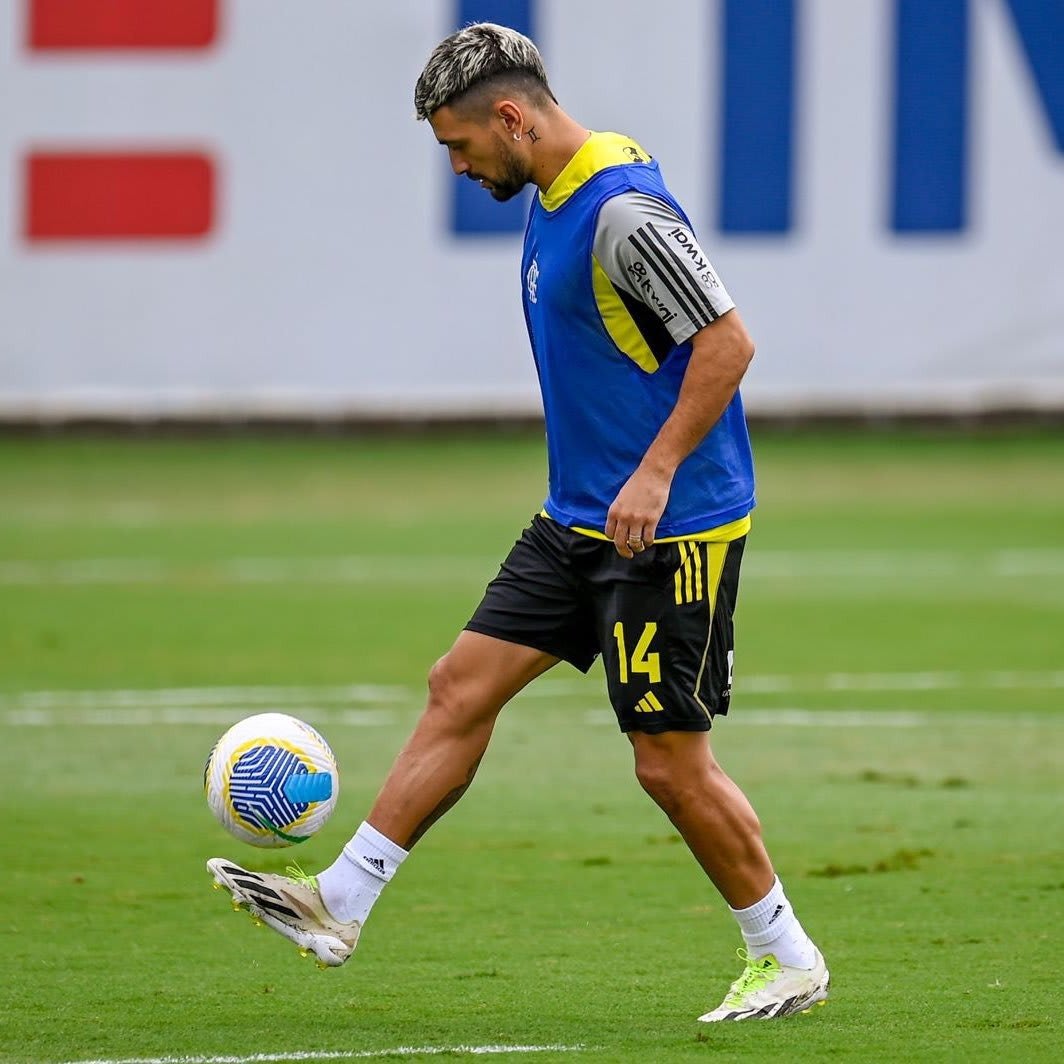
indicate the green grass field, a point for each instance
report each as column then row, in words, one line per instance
column 896, row 721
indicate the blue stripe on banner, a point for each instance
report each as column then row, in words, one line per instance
column 473, row 211
column 757, row 58
column 1040, row 25
column 930, row 116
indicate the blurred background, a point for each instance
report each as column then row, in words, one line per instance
column 225, row 208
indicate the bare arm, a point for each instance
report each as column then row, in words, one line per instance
column 720, row 354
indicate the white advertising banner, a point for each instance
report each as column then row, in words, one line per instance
column 239, row 216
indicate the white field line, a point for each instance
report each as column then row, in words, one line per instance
column 791, row 716
column 373, row 694
column 337, row 570
column 768, row 684
column 807, row 718
column 816, row 565
column 340, row 1054
column 857, row 718
column 1001, row 680
column 126, row 718
column 895, row 564
column 184, row 697
column 379, row 705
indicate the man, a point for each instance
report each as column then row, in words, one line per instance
column 636, row 554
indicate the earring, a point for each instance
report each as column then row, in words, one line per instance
column 517, row 136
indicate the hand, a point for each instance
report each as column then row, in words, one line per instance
column 632, row 520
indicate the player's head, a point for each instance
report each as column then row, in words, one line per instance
column 479, row 91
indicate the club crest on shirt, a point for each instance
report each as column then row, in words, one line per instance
column 532, row 280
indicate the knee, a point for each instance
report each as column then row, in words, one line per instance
column 676, row 769
column 658, row 777
column 453, row 696
column 444, row 685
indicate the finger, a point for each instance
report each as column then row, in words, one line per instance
column 634, row 540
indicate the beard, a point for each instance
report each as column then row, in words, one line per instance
column 512, row 176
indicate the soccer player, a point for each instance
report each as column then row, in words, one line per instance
column 635, row 555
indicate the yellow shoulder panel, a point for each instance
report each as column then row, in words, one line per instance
column 618, row 321
column 599, row 151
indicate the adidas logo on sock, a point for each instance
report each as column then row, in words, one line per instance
column 375, row 863
column 772, row 918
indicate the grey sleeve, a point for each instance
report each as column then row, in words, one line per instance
column 648, row 251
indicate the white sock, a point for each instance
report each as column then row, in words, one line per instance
column 770, row 926
column 354, row 881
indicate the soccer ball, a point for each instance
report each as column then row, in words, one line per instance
column 271, row 780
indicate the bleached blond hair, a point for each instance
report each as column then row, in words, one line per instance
column 473, row 56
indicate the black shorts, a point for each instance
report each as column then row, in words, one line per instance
column 662, row 621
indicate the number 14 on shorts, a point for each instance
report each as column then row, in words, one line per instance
column 642, row 661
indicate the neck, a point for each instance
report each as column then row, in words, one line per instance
column 559, row 138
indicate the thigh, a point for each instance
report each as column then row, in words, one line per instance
column 480, row 673
column 536, row 600
column 665, row 625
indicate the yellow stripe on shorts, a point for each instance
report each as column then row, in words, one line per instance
column 716, row 556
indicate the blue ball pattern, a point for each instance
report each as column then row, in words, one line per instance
column 257, row 787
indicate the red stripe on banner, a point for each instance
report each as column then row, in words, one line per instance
column 98, row 24
column 105, row 196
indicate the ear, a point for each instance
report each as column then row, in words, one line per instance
column 511, row 116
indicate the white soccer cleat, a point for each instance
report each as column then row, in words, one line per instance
column 767, row 990
column 292, row 906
